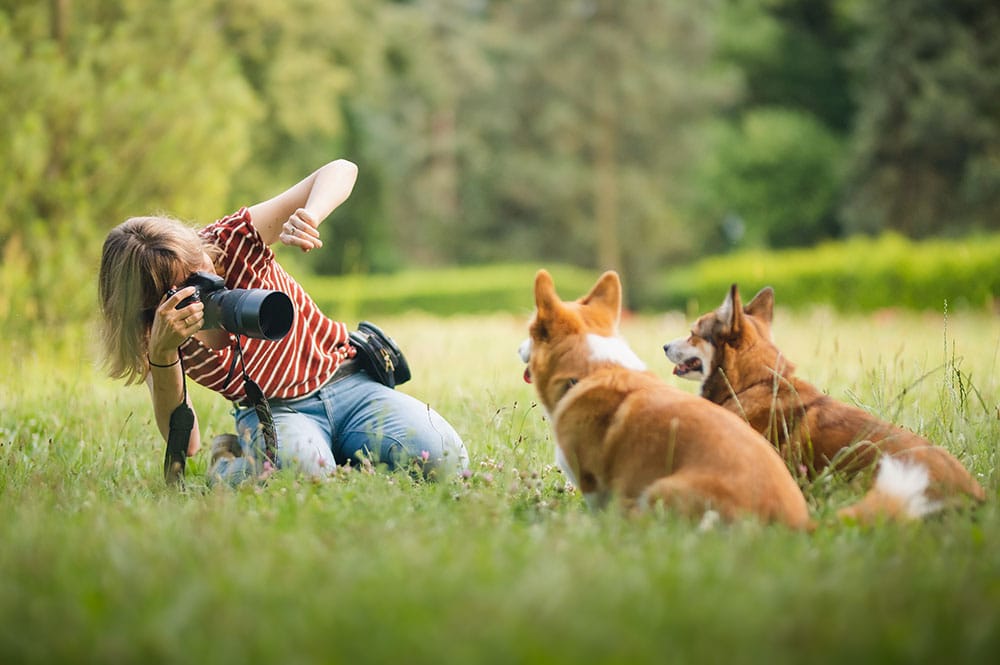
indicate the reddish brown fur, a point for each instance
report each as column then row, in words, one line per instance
column 751, row 377
column 629, row 436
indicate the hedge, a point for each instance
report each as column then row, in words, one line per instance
column 442, row 292
column 861, row 274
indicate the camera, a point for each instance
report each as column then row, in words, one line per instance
column 258, row 313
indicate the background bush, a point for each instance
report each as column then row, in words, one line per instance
column 473, row 290
column 857, row 275
column 771, row 180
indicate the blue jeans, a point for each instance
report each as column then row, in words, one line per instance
column 346, row 422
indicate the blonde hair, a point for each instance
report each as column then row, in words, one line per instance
column 142, row 258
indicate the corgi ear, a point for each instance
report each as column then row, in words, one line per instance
column 762, row 305
column 607, row 292
column 546, row 297
column 730, row 312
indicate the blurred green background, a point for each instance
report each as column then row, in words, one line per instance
column 639, row 135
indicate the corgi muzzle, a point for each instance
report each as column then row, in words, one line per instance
column 690, row 361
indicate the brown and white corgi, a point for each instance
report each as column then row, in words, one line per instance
column 625, row 435
column 732, row 353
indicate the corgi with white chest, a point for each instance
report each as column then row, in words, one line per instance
column 623, row 434
column 731, row 352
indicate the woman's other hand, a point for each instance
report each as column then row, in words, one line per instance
column 301, row 230
column 294, row 216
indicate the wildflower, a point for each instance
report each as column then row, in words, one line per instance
column 269, row 469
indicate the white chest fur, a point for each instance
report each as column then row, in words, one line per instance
column 614, row 349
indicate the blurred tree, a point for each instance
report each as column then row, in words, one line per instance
column 793, row 54
column 411, row 126
column 110, row 110
column 772, row 179
column 549, row 131
column 305, row 59
column 607, row 98
column 926, row 153
column 773, row 174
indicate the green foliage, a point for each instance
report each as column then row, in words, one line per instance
column 772, row 180
column 856, row 275
column 537, row 130
column 580, row 133
column 444, row 292
column 792, row 54
column 115, row 118
column 771, row 172
column 301, row 60
column 859, row 275
column 928, row 133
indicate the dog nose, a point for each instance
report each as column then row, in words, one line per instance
column 524, row 350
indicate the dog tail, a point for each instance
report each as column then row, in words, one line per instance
column 900, row 492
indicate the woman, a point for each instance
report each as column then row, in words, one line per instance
column 326, row 412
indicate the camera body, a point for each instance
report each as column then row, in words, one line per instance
column 257, row 313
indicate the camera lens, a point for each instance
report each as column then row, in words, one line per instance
column 257, row 313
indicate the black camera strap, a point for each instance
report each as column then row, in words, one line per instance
column 182, row 422
column 255, row 396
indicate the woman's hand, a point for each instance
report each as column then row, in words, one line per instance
column 294, row 216
column 301, row 230
column 172, row 326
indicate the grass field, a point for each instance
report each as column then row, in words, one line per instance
column 101, row 563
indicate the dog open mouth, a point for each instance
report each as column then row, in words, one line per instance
column 527, row 375
column 688, row 366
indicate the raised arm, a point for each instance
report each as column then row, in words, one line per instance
column 294, row 216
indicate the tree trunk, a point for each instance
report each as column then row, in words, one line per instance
column 60, row 24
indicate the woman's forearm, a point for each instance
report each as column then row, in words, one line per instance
column 166, row 389
column 332, row 185
column 318, row 194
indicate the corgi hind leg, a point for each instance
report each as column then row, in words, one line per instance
column 687, row 496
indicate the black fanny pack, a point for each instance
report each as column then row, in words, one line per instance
column 379, row 355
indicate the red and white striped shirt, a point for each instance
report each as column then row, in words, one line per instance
column 297, row 364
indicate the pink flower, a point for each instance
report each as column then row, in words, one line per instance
column 425, row 455
column 268, row 470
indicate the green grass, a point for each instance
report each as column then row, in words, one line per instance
column 100, row 562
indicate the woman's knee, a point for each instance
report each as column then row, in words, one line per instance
column 441, row 448
column 303, row 446
column 428, row 443
column 302, row 443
